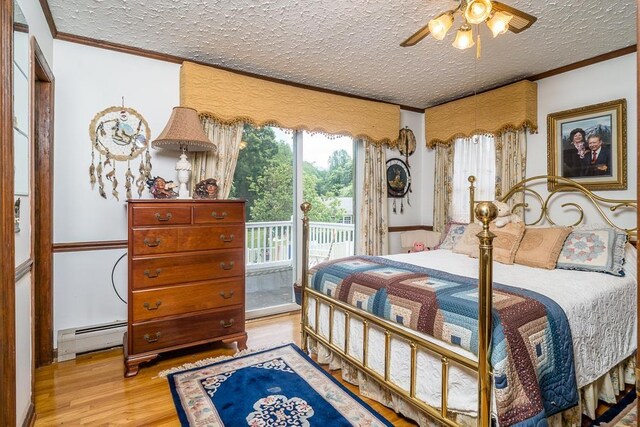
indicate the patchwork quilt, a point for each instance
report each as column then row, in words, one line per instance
column 532, row 351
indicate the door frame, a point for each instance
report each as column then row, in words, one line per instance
column 7, row 238
column 42, row 111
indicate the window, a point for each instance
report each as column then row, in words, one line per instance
column 276, row 170
column 472, row 156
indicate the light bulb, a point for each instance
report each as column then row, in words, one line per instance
column 464, row 38
column 499, row 23
column 439, row 26
column 477, row 11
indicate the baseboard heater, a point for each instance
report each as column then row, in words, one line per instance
column 73, row 341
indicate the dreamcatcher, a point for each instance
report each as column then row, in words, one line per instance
column 119, row 134
column 398, row 174
column 398, row 182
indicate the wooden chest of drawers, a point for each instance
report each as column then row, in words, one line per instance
column 186, row 276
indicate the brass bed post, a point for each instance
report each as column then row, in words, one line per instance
column 485, row 212
column 305, row 207
column 472, row 197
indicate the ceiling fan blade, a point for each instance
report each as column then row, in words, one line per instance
column 521, row 20
column 416, row 37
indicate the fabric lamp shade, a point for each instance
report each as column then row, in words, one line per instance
column 184, row 131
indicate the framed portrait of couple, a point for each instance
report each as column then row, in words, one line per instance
column 589, row 145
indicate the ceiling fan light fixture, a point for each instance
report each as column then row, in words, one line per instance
column 439, row 26
column 464, row 38
column 499, row 23
column 477, row 11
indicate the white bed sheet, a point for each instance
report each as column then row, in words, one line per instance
column 600, row 308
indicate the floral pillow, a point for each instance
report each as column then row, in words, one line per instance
column 600, row 250
column 452, row 234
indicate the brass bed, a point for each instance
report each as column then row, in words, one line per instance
column 485, row 212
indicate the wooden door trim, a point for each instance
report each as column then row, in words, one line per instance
column 7, row 237
column 42, row 131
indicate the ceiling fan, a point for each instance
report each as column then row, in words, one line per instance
column 499, row 17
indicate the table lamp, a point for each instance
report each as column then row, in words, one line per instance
column 184, row 132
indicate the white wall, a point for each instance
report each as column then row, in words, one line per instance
column 413, row 214
column 88, row 80
column 601, row 82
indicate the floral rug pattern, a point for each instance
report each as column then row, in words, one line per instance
column 275, row 387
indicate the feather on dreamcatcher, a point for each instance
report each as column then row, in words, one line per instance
column 119, row 134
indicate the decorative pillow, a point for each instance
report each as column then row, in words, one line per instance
column 541, row 246
column 505, row 244
column 594, row 250
column 453, row 232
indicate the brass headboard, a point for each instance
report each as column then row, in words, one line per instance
column 563, row 186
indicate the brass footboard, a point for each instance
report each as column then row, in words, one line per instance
column 485, row 211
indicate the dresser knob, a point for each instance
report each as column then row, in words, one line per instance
column 227, row 324
column 226, row 266
column 152, row 244
column 152, row 338
column 226, row 295
column 150, row 308
column 215, row 215
column 226, row 239
column 152, row 275
column 165, row 218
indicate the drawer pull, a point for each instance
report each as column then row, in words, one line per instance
column 148, row 306
column 165, row 218
column 227, row 324
column 226, row 239
column 152, row 275
column 152, row 244
column 152, row 338
column 226, row 295
column 225, row 266
column 216, row 216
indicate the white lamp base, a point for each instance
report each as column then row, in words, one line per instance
column 184, row 170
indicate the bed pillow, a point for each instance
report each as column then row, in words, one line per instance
column 600, row 250
column 452, row 234
column 505, row 244
column 541, row 246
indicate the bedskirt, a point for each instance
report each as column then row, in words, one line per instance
column 604, row 388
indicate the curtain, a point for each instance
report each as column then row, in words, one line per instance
column 472, row 156
column 442, row 186
column 374, row 239
column 511, row 162
column 221, row 164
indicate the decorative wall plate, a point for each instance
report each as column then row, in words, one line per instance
column 119, row 134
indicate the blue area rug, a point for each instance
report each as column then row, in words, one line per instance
column 281, row 386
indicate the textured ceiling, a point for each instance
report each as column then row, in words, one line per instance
column 353, row 46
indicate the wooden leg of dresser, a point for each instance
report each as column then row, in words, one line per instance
column 132, row 364
column 241, row 340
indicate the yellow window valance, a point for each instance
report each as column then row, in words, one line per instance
column 231, row 97
column 511, row 107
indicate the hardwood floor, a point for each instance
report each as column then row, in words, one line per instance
column 92, row 390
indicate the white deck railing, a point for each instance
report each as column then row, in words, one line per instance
column 271, row 243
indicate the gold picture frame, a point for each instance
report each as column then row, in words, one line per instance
column 589, row 145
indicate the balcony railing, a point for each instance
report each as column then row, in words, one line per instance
column 271, row 243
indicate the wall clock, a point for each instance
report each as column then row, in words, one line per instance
column 398, row 182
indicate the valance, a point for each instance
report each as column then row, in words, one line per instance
column 511, row 107
column 231, row 97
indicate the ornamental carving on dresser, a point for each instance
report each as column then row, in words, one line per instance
column 186, row 276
